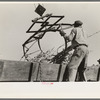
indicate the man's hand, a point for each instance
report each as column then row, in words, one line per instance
column 62, row 33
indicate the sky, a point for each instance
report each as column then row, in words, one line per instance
column 15, row 19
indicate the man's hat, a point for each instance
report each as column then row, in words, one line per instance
column 78, row 23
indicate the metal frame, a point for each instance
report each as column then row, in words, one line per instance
column 38, row 34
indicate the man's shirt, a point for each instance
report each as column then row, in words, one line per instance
column 77, row 36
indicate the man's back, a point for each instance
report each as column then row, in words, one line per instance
column 79, row 36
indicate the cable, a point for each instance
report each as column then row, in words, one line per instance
column 94, row 34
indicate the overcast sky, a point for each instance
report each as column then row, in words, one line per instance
column 15, row 19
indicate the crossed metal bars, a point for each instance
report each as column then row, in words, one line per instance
column 44, row 27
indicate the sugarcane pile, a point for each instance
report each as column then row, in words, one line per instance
column 50, row 57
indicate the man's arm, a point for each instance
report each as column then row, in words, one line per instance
column 70, row 37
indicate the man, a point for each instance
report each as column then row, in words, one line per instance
column 98, row 61
column 78, row 60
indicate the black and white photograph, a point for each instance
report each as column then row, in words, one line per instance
column 49, row 49
column 49, row 42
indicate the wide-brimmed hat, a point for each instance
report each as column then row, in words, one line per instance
column 78, row 23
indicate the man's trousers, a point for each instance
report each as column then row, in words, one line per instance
column 77, row 63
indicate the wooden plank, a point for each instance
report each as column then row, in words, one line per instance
column 48, row 72
column 92, row 73
column 63, row 66
column 98, row 76
column 1, row 67
column 15, row 71
column 34, row 72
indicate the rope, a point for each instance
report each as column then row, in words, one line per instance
column 42, row 4
column 33, row 52
column 34, row 5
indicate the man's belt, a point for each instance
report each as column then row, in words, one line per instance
column 80, row 45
